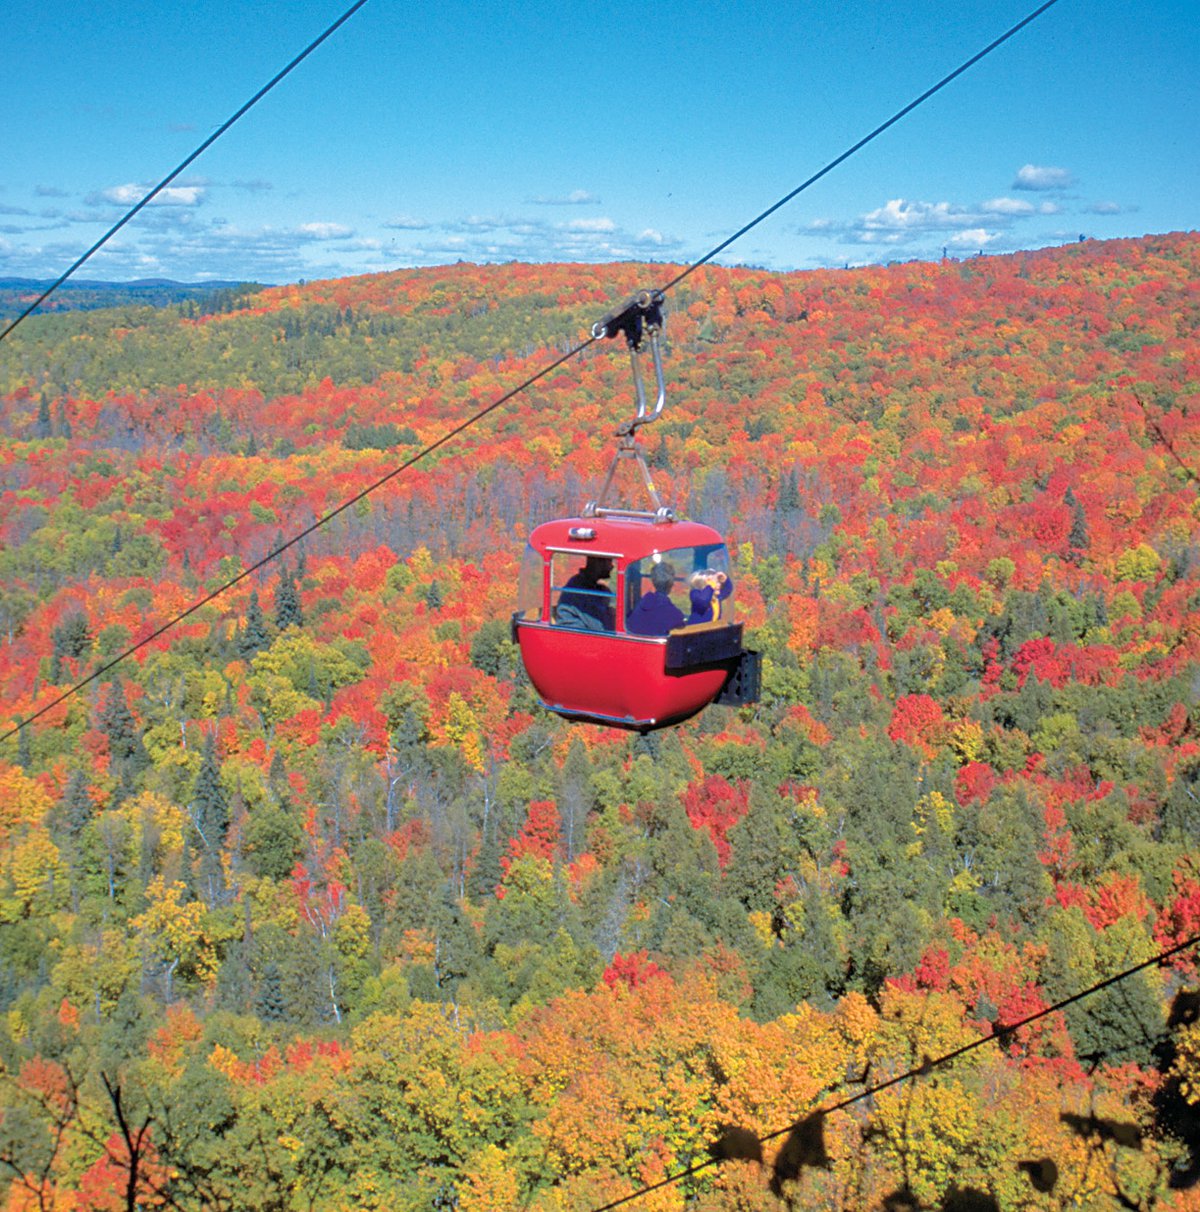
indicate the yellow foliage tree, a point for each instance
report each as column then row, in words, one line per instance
column 36, row 880
column 171, row 931
column 22, row 800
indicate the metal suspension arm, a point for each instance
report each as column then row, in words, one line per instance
column 641, row 316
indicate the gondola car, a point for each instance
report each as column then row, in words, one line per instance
column 596, row 646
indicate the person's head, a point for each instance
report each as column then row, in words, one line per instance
column 597, row 567
column 662, row 577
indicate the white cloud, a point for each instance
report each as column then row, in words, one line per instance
column 479, row 238
column 925, row 228
column 324, row 231
column 173, row 195
column 577, row 197
column 479, row 223
column 1105, row 208
column 1035, row 176
column 1007, row 206
column 974, row 237
column 899, row 216
column 186, row 244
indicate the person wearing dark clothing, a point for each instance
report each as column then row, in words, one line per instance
column 590, row 605
column 655, row 613
column 707, row 585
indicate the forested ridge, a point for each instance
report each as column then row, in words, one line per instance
column 16, row 294
column 309, row 906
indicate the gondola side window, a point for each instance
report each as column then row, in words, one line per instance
column 531, row 585
column 582, row 593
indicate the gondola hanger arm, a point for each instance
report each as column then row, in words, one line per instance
column 639, row 317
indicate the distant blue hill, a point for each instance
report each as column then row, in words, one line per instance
column 17, row 293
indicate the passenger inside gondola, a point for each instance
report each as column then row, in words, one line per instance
column 655, row 613
column 586, row 600
column 709, row 590
column 701, row 593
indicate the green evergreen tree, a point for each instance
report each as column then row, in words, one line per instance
column 1078, row 539
column 763, row 851
column 123, row 1034
column 789, row 493
column 126, row 787
column 486, row 871
column 77, row 808
column 253, row 637
column 211, row 879
column 269, row 1004
column 409, row 741
column 458, row 951
column 71, row 638
column 126, row 752
column 1117, row 1025
column 42, row 427
column 210, row 808
column 287, row 602
column 272, row 843
column 1181, row 812
column 492, row 649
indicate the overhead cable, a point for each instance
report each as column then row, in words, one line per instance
column 514, row 391
column 184, row 164
column 448, row 436
column 927, row 1066
column 900, row 113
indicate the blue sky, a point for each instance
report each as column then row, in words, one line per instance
column 483, row 131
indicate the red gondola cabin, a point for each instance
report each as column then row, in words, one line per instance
column 598, row 647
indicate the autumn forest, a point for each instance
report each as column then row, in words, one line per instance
column 308, row 904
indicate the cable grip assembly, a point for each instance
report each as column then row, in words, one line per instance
column 639, row 318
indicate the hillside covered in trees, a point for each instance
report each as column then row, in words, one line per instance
column 308, row 905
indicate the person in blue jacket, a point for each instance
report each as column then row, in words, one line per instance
column 707, row 585
column 586, row 599
column 655, row 613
